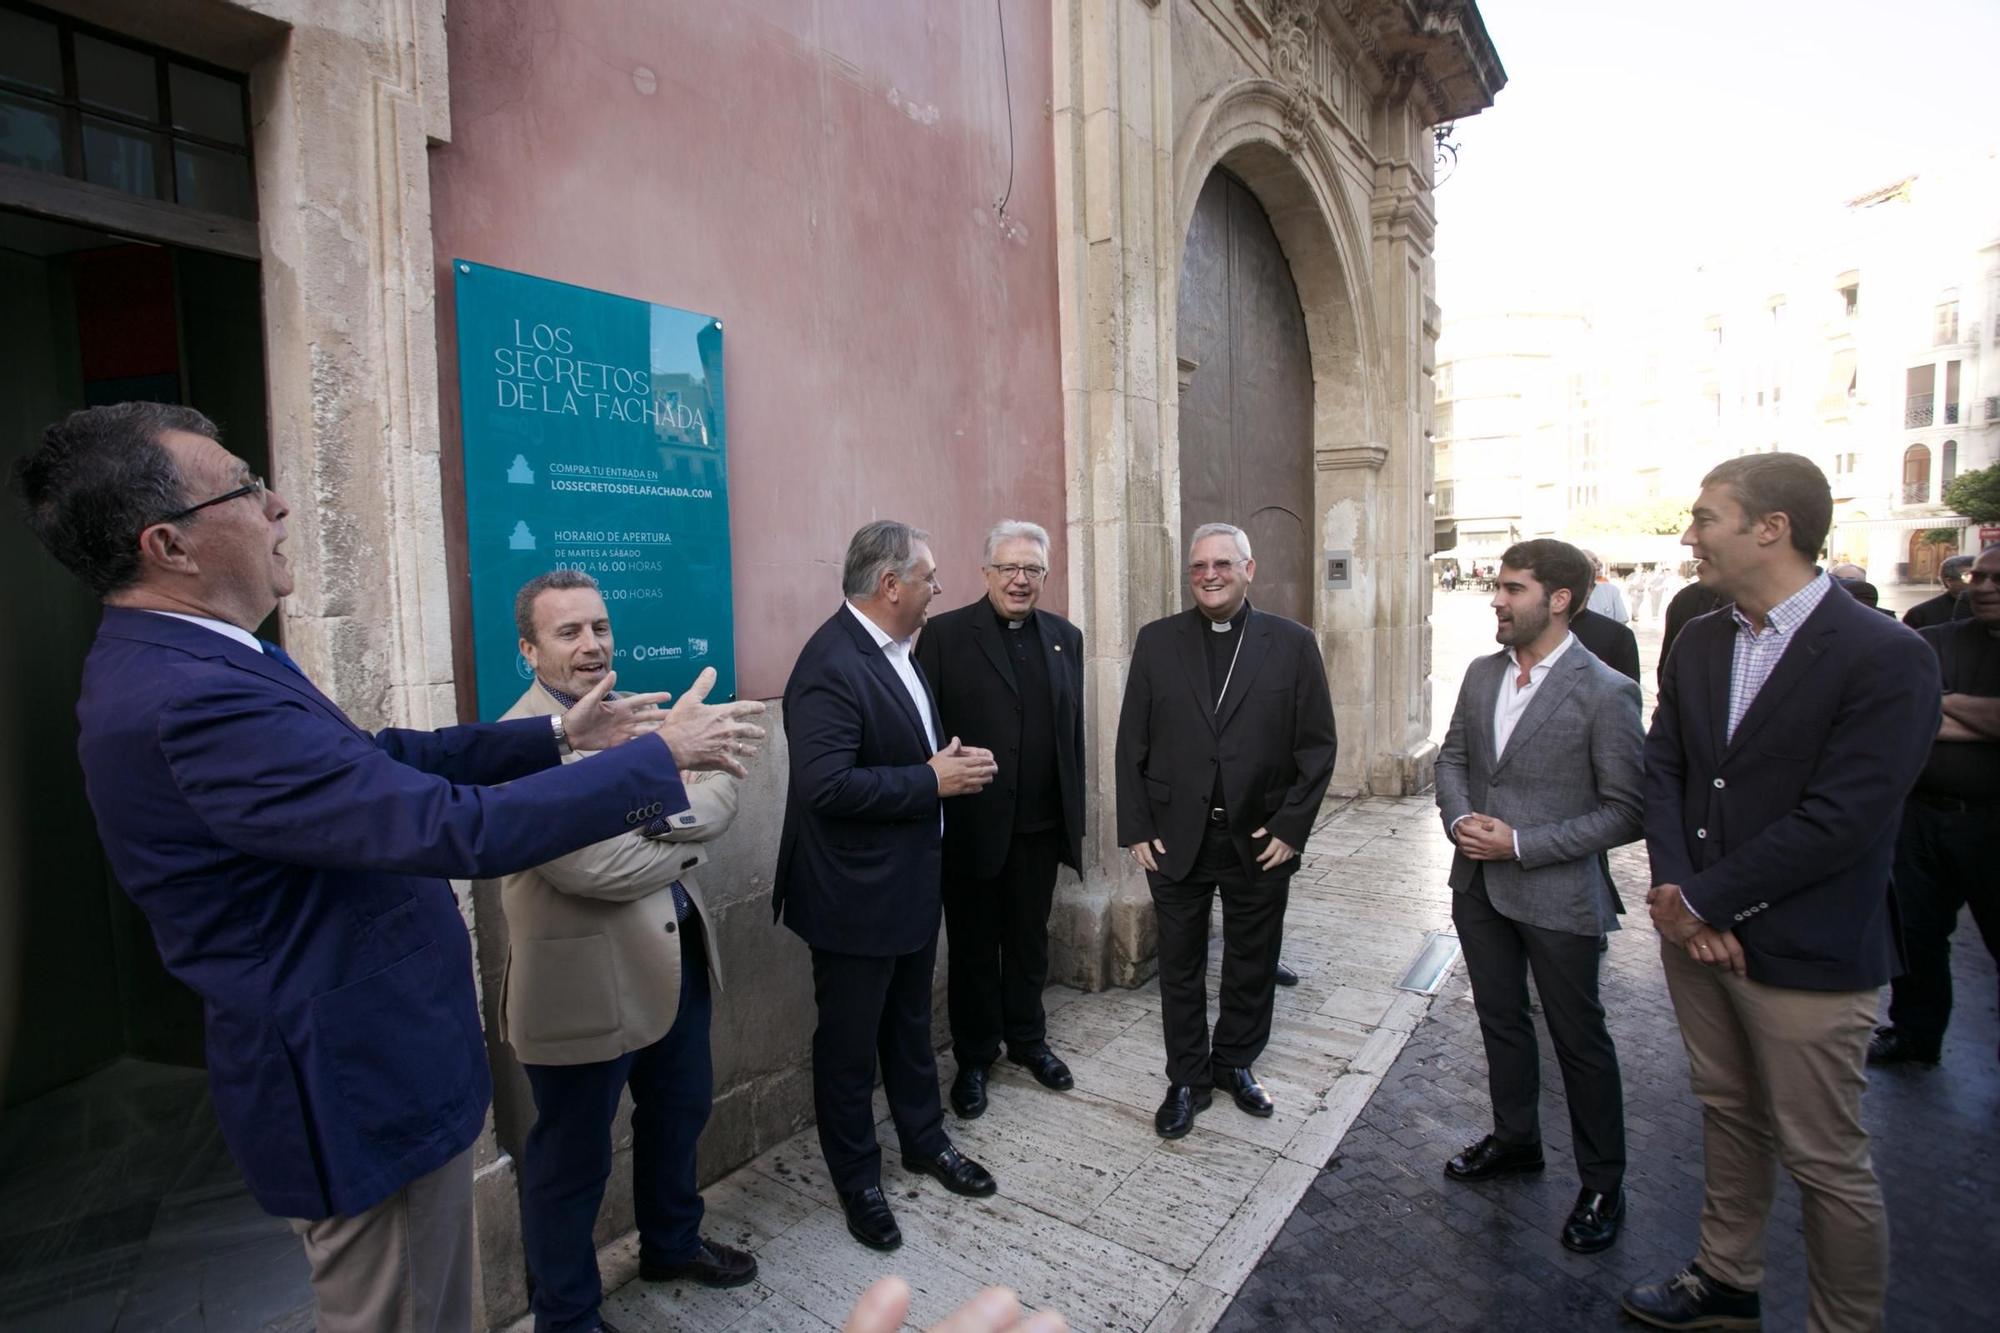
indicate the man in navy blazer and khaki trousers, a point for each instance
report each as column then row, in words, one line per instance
column 860, row 866
column 1791, row 724
column 293, row 866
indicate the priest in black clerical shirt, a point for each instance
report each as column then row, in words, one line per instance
column 1008, row 676
column 1225, row 749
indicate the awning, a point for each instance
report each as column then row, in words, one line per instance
column 1444, row 534
column 1906, row 524
column 1840, row 383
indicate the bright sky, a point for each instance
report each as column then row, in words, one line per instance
column 1633, row 140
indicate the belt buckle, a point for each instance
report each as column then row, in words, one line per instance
column 1218, row 816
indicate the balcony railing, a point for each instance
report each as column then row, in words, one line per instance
column 1951, row 414
column 1917, row 492
column 1917, row 410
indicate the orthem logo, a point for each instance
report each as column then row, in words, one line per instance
column 656, row 652
column 521, row 667
column 697, row 647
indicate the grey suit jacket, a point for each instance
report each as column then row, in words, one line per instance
column 1569, row 784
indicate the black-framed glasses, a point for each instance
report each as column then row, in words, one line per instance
column 254, row 486
column 1035, row 573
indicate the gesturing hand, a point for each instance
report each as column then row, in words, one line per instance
column 703, row 735
column 962, row 769
column 1276, row 854
column 597, row 723
column 884, row 1306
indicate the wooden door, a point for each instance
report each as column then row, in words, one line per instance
column 1247, row 395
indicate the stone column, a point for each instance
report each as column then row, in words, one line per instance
column 1113, row 168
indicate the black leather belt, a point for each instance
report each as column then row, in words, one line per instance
column 1218, row 817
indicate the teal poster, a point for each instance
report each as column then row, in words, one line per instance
column 595, row 439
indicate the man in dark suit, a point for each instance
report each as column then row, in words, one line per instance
column 1538, row 778
column 293, row 866
column 1614, row 644
column 858, row 870
column 1951, row 603
column 1008, row 678
column 1790, row 727
column 1693, row 600
column 1948, row 852
column 1225, row 748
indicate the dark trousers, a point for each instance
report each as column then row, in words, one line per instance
column 1945, row 859
column 1498, row 954
column 998, row 932
column 567, row 1158
column 874, row 1008
column 1253, row 918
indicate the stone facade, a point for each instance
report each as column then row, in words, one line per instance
column 1324, row 111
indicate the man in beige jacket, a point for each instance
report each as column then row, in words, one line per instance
column 607, row 986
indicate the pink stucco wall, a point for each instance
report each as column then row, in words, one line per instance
column 821, row 174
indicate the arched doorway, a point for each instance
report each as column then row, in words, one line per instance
column 1916, row 475
column 1927, row 555
column 1246, row 401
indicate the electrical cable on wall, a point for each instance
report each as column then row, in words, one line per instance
column 1006, row 82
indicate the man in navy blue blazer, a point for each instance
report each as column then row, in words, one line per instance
column 1792, row 721
column 294, row 867
column 860, row 866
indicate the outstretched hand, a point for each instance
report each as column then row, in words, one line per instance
column 596, row 722
column 884, row 1306
column 703, row 735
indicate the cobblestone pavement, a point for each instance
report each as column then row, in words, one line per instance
column 1382, row 1240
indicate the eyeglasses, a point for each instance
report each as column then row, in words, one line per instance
column 255, row 486
column 1034, row 573
column 1972, row 576
column 1201, row 567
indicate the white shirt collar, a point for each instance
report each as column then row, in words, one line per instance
column 882, row 638
column 222, row 627
column 1546, row 662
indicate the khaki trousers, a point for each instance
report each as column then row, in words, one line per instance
column 1779, row 1074
column 403, row 1266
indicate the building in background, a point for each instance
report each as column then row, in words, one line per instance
column 1869, row 341
column 1117, row 266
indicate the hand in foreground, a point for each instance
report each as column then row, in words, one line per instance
column 711, row 736
column 1670, row 913
column 1142, row 852
column 962, row 769
column 884, row 1306
column 598, row 723
column 1276, row 854
column 1484, row 838
column 1718, row 948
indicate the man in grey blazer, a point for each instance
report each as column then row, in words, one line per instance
column 1539, row 776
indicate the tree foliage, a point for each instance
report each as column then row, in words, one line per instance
column 1976, row 494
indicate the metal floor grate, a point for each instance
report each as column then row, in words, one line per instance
column 1427, row 970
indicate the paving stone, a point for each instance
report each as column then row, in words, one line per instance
column 1394, row 1244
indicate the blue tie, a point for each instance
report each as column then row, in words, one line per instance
column 272, row 650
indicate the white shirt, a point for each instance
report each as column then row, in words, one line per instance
column 222, row 627
column 898, row 653
column 1606, row 600
column 1513, row 701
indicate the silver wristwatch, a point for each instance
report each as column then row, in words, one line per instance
column 561, row 733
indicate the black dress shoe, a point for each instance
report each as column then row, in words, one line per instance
column 1893, row 1046
column 955, row 1171
column 1042, row 1063
column 1489, row 1158
column 1693, row 1299
column 968, row 1092
column 1593, row 1224
column 869, row 1219
column 605, row 1326
column 1176, row 1114
column 1244, row 1087
column 1287, row 977
column 713, row 1265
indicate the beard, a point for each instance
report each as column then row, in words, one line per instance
column 1526, row 626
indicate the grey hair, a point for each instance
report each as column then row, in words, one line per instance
column 556, row 580
column 1013, row 529
column 1957, row 564
column 884, row 546
column 1207, row 530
